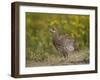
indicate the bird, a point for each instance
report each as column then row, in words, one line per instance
column 64, row 44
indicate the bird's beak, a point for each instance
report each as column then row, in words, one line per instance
column 50, row 30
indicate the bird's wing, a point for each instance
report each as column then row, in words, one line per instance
column 69, row 45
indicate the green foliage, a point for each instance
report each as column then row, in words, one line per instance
column 39, row 40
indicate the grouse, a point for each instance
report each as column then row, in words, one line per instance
column 63, row 43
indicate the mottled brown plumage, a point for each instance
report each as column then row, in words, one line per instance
column 63, row 43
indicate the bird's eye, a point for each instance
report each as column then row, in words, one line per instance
column 53, row 29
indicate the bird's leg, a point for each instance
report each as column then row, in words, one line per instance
column 65, row 57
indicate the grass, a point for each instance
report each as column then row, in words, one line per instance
column 40, row 50
column 75, row 58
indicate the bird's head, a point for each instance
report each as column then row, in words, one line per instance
column 52, row 30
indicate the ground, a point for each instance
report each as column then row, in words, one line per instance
column 77, row 57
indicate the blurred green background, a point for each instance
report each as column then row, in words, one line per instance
column 39, row 40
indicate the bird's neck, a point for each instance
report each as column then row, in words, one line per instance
column 56, row 35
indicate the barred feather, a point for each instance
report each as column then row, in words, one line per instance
column 63, row 43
